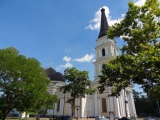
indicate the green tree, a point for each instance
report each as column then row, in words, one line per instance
column 140, row 59
column 78, row 85
column 42, row 105
column 23, row 82
column 145, row 105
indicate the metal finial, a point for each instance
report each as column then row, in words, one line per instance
column 51, row 65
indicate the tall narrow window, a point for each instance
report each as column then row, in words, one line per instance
column 104, row 106
column 103, row 66
column 58, row 105
column 103, row 52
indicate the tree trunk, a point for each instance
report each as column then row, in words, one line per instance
column 73, row 108
column 4, row 115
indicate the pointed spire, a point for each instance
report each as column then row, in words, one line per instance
column 104, row 24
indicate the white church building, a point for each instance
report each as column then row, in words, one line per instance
column 96, row 104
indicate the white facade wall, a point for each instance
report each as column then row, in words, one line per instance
column 91, row 105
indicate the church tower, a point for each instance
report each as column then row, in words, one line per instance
column 96, row 104
column 106, row 48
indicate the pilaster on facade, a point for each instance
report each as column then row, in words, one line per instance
column 61, row 106
column 126, row 102
column 132, row 104
column 123, row 114
column 108, row 104
column 111, row 102
column 91, row 107
column 99, row 107
column 95, row 104
column 83, row 114
column 55, row 108
column 116, row 107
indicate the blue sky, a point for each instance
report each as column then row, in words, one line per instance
column 61, row 32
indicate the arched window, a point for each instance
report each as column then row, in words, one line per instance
column 103, row 52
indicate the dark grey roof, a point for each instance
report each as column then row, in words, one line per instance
column 104, row 24
column 50, row 71
column 58, row 77
column 53, row 75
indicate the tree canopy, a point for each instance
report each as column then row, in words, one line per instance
column 78, row 85
column 140, row 59
column 145, row 105
column 23, row 83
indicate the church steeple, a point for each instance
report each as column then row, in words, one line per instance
column 106, row 48
column 104, row 24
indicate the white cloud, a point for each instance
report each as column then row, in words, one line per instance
column 140, row 2
column 58, row 69
column 86, row 58
column 67, row 59
column 68, row 50
column 95, row 22
column 67, row 65
column 94, row 60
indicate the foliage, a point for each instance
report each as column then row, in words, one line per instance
column 23, row 82
column 140, row 59
column 42, row 105
column 77, row 85
column 145, row 105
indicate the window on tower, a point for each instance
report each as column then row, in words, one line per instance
column 103, row 52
